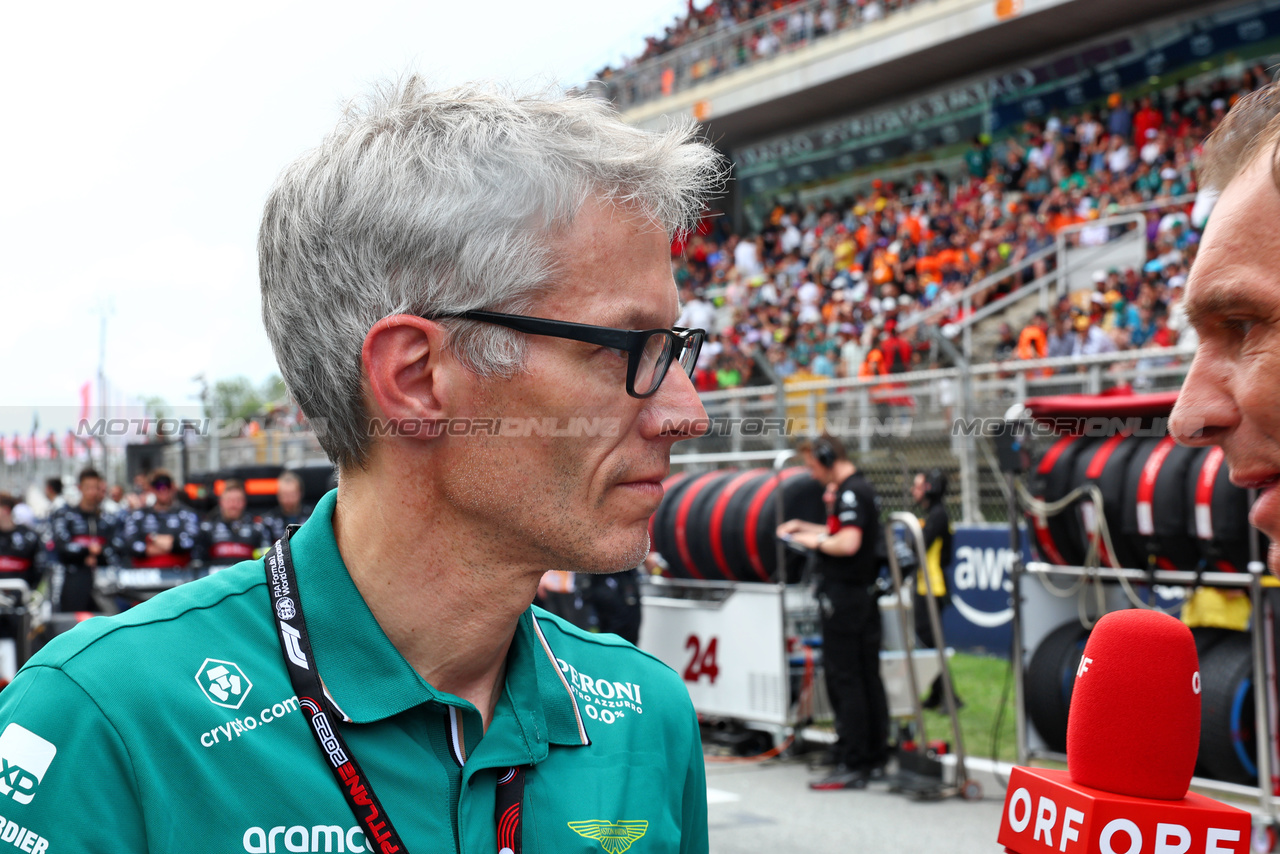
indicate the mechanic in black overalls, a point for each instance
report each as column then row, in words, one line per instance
column 847, row 549
column 160, row 536
column 19, row 545
column 290, row 510
column 82, row 538
column 229, row 535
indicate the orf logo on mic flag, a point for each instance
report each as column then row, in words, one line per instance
column 1132, row 736
column 1046, row 813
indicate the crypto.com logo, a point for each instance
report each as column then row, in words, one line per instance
column 224, row 683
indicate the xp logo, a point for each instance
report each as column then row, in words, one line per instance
column 285, row 609
column 223, row 682
column 24, row 757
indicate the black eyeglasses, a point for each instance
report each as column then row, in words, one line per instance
column 649, row 351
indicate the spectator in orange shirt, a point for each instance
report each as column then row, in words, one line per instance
column 873, row 363
column 1033, row 342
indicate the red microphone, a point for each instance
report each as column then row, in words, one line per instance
column 1132, row 736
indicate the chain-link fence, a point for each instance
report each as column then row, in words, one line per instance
column 897, row 425
column 892, row 426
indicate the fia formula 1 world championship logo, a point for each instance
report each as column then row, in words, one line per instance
column 223, row 682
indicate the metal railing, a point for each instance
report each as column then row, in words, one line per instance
column 1068, row 258
column 942, row 307
column 894, row 425
column 915, row 421
column 734, row 47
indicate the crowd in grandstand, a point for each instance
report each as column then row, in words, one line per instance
column 830, row 289
column 797, row 25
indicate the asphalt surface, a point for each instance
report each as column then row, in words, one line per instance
column 768, row 808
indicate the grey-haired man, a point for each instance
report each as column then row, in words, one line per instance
column 382, row 680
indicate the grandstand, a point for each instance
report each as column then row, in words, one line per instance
column 935, row 173
column 917, row 177
column 941, row 209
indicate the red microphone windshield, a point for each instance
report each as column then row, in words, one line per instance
column 1134, row 723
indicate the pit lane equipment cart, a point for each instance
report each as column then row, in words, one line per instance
column 1125, row 518
column 739, row 622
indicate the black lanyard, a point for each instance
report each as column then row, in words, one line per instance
column 295, row 643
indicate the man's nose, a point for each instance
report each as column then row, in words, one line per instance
column 1205, row 411
column 678, row 408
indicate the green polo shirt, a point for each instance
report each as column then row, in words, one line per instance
column 173, row 727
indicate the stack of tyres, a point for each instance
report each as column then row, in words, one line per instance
column 660, row 539
column 1166, row 506
column 1218, row 516
column 1160, row 510
column 739, row 530
column 1144, row 468
column 720, row 525
column 1050, row 678
column 1058, row 538
column 691, row 520
column 1228, row 742
column 1104, row 464
column 1161, row 497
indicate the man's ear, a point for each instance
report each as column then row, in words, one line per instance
column 403, row 361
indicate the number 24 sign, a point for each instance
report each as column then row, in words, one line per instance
column 702, row 660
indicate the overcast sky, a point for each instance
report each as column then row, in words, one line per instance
column 141, row 141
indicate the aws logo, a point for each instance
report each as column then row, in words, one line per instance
column 981, row 570
column 614, row 837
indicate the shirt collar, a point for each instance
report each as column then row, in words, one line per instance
column 368, row 679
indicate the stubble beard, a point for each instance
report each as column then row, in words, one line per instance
column 549, row 527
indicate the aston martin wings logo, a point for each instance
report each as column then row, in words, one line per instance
column 613, row 836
